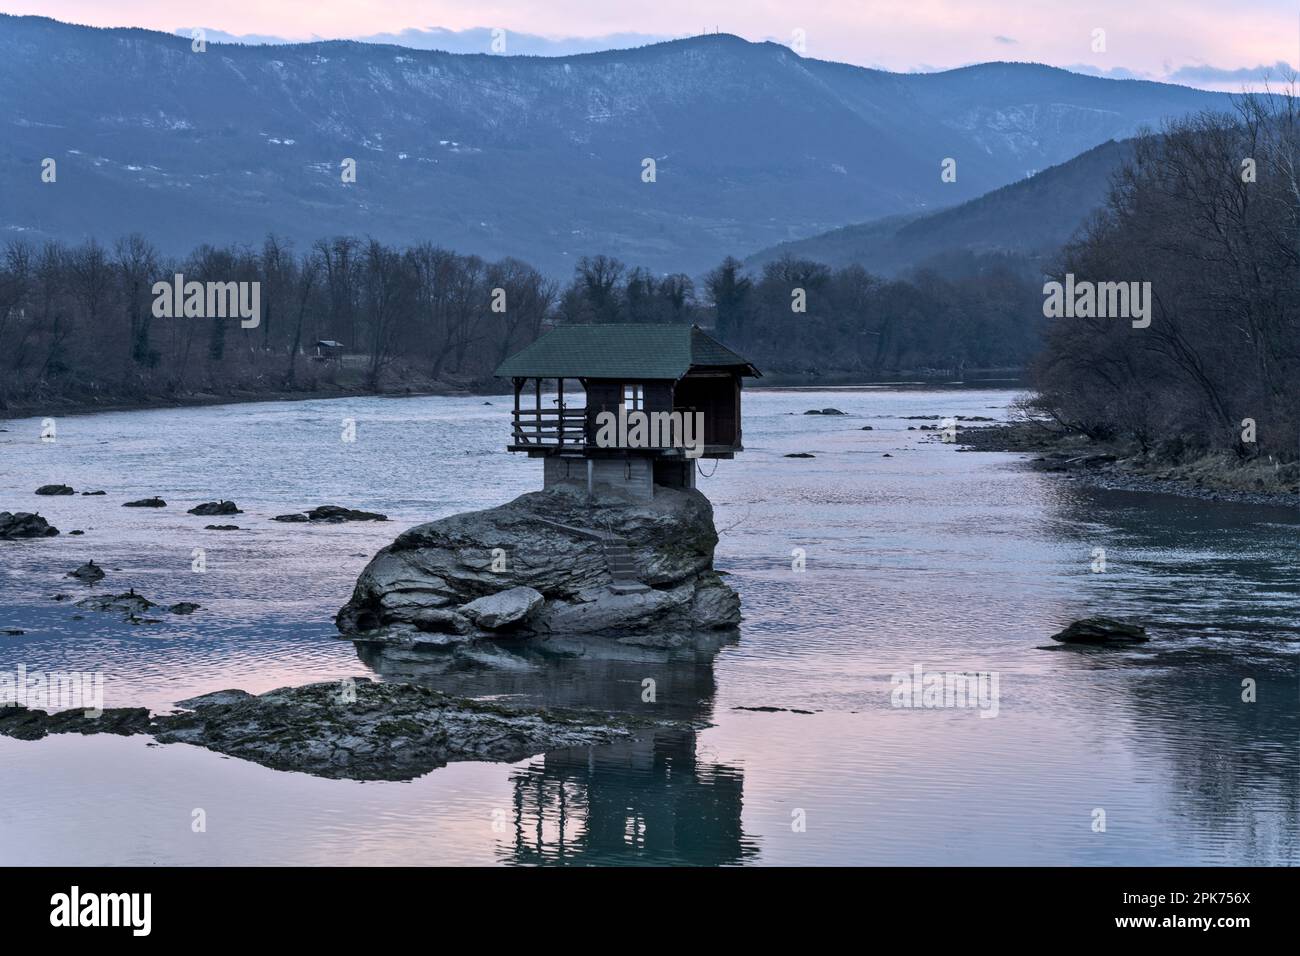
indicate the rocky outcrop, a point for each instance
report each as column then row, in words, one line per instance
column 154, row 502
column 353, row 729
column 88, row 573
column 127, row 603
column 24, row 524
column 332, row 514
column 209, row 508
column 1102, row 630
column 356, row 730
column 434, row 576
column 362, row 730
column 54, row 490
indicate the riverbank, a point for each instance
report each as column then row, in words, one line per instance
column 71, row 405
column 349, row 383
column 1121, row 466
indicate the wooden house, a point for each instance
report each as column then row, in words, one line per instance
column 634, row 405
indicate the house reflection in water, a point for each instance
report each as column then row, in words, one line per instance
column 652, row 800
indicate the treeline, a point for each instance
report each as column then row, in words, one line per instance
column 802, row 317
column 1208, row 212
column 77, row 322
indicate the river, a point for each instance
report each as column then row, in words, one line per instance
column 915, row 553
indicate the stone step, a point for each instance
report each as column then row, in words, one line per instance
column 628, row 587
column 621, row 564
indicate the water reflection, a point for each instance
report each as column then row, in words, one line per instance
column 653, row 800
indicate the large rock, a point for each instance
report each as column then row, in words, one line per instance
column 549, row 542
column 504, row 608
column 24, row 524
column 1101, row 630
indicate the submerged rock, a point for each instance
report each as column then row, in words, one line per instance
column 362, row 730
column 332, row 514
column 800, row 454
column 24, row 723
column 552, row 542
column 154, row 502
column 88, row 573
column 209, row 508
column 184, row 607
column 221, row 527
column 24, row 524
column 1102, row 630
column 93, row 494
column 55, row 490
column 128, row 603
column 824, row 411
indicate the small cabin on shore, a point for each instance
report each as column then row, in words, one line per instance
column 327, row 350
column 634, row 405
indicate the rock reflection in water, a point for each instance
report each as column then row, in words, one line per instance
column 653, row 800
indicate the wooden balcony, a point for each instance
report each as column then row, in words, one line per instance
column 547, row 429
column 553, row 430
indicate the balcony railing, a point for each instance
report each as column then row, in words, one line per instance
column 550, row 427
column 566, row 428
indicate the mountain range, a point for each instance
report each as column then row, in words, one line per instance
column 536, row 157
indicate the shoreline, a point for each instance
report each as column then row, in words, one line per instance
column 57, row 407
column 422, row 388
column 1115, row 466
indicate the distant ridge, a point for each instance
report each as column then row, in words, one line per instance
column 1032, row 218
column 535, row 157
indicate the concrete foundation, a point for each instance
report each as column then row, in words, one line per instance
column 634, row 476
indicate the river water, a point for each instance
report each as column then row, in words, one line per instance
column 916, row 554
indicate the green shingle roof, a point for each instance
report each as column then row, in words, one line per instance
column 622, row 351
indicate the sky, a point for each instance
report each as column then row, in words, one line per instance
column 1211, row 44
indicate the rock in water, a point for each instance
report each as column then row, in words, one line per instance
column 24, row 524
column 216, row 508
column 335, row 513
column 129, row 603
column 1102, row 630
column 372, row 731
column 54, row 490
column 551, row 542
column 332, row 514
column 88, row 573
column 146, row 503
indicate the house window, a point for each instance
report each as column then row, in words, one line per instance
column 632, row 398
